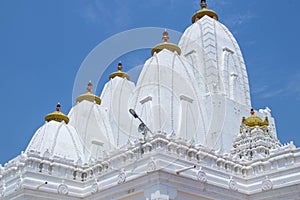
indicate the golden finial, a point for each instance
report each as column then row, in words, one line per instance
column 165, row 37
column 120, row 66
column 90, row 86
column 204, row 11
column 58, row 107
column 57, row 115
column 89, row 96
column 166, row 45
column 119, row 73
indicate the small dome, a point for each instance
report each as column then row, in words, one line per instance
column 92, row 125
column 204, row 11
column 58, row 139
column 119, row 73
column 57, row 116
column 89, row 96
column 115, row 97
column 253, row 121
column 166, row 45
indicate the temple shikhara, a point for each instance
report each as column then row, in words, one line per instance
column 185, row 130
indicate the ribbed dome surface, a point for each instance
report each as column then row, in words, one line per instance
column 59, row 139
column 210, row 46
column 115, row 97
column 92, row 125
column 168, row 96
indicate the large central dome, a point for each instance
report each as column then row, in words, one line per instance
column 210, row 47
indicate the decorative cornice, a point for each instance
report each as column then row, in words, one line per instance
column 157, row 154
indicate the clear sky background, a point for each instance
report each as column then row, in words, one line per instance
column 43, row 43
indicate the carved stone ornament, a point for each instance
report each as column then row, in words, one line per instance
column 2, row 191
column 201, row 176
column 266, row 184
column 151, row 165
column 232, row 184
column 122, row 176
column 94, row 187
column 158, row 196
column 63, row 189
column 19, row 184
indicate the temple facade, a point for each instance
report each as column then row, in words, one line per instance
column 185, row 130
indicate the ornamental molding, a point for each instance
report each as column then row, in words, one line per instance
column 3, row 190
column 19, row 184
column 266, row 184
column 151, row 165
column 94, row 187
column 158, row 196
column 122, row 176
column 232, row 184
column 201, row 176
column 63, row 188
column 173, row 152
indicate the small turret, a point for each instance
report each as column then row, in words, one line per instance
column 166, row 45
column 253, row 121
column 256, row 140
column 57, row 115
column 119, row 73
column 89, row 96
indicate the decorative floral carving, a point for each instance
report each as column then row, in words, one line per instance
column 201, row 176
column 157, row 195
column 232, row 184
column 47, row 154
column 151, row 165
column 266, row 184
column 94, row 187
column 3, row 189
column 122, row 176
column 19, row 184
column 63, row 188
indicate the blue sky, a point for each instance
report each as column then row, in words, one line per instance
column 43, row 43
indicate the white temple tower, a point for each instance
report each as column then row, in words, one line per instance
column 188, row 134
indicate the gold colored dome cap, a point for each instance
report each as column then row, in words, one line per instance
column 119, row 73
column 89, row 96
column 57, row 116
column 254, row 121
column 204, row 11
column 166, row 45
